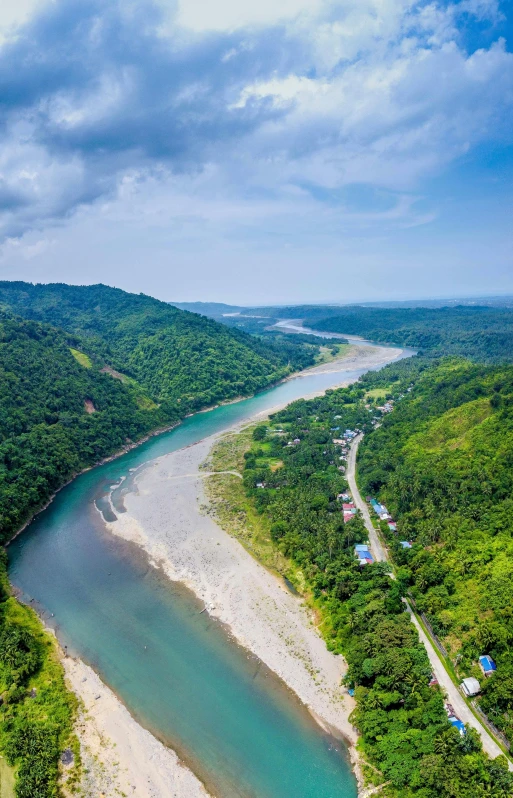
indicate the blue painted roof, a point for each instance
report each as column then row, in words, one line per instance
column 487, row 663
column 458, row 724
column 405, row 544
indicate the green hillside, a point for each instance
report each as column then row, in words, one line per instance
column 443, row 464
column 293, row 482
column 180, row 359
column 57, row 415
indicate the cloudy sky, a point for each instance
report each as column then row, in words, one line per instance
column 258, row 150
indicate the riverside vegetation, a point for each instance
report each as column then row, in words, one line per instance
column 86, row 372
column 482, row 333
column 293, row 489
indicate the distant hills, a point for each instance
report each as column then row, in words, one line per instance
column 482, row 332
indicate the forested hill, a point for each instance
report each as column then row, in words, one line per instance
column 442, row 462
column 58, row 413
column 484, row 334
column 91, row 368
column 179, row 358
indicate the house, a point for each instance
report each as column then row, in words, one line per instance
column 470, row 686
column 362, row 552
column 392, row 526
column 405, row 544
column 297, row 440
column 348, row 506
column 487, row 665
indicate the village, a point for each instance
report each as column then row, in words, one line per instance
column 470, row 686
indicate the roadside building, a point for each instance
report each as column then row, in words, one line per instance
column 363, row 554
column 470, row 686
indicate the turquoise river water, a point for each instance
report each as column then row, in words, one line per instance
column 237, row 726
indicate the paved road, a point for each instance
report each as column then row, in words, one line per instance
column 379, row 553
column 377, row 548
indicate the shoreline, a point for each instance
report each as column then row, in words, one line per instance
column 236, row 589
column 153, row 434
column 119, row 756
column 253, row 603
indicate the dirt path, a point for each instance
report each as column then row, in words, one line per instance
column 380, row 555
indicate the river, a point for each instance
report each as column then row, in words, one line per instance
column 236, row 725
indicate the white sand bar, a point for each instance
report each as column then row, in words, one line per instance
column 165, row 517
column 119, row 757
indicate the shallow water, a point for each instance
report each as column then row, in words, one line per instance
column 178, row 671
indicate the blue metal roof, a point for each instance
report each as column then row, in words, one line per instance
column 487, row 663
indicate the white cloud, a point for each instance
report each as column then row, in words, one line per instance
column 368, row 92
column 14, row 13
column 202, row 15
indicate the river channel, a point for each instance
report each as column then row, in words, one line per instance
column 181, row 675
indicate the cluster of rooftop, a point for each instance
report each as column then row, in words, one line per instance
column 383, row 515
column 344, row 443
column 363, row 554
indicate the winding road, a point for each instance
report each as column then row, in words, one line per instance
column 380, row 554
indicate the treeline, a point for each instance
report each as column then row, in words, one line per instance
column 484, row 334
column 443, row 464
column 292, row 475
column 36, row 709
column 179, row 358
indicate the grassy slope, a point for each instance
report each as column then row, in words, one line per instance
column 37, row 712
column 230, row 505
